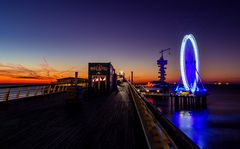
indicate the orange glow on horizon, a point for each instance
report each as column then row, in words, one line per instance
column 140, row 79
column 11, row 80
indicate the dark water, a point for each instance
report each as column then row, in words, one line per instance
column 217, row 126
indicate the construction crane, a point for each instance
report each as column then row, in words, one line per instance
column 164, row 50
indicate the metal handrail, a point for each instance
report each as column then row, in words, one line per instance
column 16, row 92
column 179, row 138
column 155, row 135
column 141, row 121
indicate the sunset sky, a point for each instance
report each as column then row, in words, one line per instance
column 41, row 40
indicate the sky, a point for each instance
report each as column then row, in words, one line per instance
column 43, row 40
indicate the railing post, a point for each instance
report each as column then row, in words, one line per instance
column 62, row 88
column 36, row 91
column 59, row 88
column 43, row 90
column 54, row 89
column 65, row 88
column 18, row 93
column 5, row 98
column 28, row 91
column 49, row 89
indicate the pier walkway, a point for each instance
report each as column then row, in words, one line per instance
column 48, row 122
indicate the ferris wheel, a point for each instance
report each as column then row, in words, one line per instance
column 189, row 64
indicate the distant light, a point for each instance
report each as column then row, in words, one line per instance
column 97, row 79
column 219, row 83
column 182, row 62
column 158, row 91
column 121, row 72
column 149, row 84
column 147, row 90
column 227, row 83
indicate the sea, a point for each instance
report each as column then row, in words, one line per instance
column 214, row 127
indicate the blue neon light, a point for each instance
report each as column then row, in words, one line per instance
column 189, row 63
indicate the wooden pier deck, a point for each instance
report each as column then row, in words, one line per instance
column 48, row 122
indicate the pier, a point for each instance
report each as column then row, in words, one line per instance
column 121, row 120
column 48, row 122
column 181, row 102
column 188, row 102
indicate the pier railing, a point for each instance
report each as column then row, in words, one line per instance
column 156, row 136
column 159, row 131
column 24, row 91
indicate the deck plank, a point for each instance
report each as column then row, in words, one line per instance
column 48, row 122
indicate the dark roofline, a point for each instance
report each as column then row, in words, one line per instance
column 71, row 78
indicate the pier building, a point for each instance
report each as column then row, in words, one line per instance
column 101, row 77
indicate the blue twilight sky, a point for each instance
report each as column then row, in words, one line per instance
column 69, row 33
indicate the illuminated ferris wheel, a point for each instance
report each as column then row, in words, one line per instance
column 189, row 65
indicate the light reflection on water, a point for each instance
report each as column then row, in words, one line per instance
column 218, row 126
column 192, row 124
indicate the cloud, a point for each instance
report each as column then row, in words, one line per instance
column 28, row 77
column 44, row 72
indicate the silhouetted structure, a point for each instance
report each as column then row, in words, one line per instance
column 101, row 77
column 161, row 64
column 132, row 77
column 72, row 80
